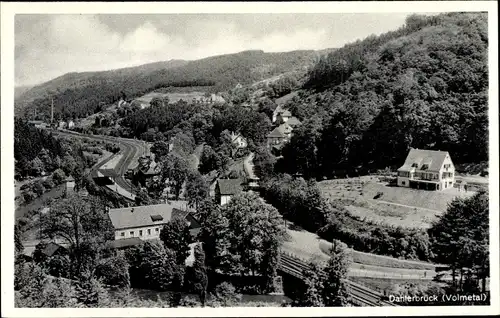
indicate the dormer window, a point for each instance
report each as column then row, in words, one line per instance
column 156, row 218
column 425, row 167
column 415, row 165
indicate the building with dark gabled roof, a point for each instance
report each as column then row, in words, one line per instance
column 225, row 189
column 427, row 169
column 145, row 222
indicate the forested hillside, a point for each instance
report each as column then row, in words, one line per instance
column 81, row 94
column 424, row 86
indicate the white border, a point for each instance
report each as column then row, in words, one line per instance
column 7, row 195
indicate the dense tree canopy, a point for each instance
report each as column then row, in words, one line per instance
column 460, row 237
column 244, row 237
column 423, row 86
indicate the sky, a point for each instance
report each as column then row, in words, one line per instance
column 49, row 45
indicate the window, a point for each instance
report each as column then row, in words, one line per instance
column 415, row 165
column 140, row 232
column 122, row 234
column 131, row 233
column 149, row 231
column 157, row 230
column 403, row 182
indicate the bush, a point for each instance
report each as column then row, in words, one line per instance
column 58, row 176
column 48, row 183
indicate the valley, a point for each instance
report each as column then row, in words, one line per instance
column 333, row 177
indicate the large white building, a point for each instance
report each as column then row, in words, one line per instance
column 145, row 222
column 427, row 169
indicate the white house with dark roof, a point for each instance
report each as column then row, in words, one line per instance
column 427, row 169
column 145, row 222
column 225, row 189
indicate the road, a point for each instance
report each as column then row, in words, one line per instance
column 249, row 166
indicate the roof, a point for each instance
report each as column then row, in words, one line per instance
column 276, row 133
column 108, row 172
column 70, row 178
column 286, row 113
column 140, row 216
column 279, row 109
column 430, row 160
column 229, row 186
column 293, row 121
column 285, row 128
column 51, row 248
column 131, row 241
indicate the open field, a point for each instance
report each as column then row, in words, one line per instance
column 367, row 199
column 394, row 215
column 369, row 189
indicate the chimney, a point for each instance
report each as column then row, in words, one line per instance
column 132, row 210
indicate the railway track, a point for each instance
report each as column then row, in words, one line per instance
column 129, row 150
column 360, row 295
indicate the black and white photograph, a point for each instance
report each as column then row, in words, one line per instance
column 281, row 158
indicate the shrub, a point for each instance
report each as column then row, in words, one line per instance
column 48, row 183
column 58, row 176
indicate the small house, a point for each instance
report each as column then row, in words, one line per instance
column 70, row 185
column 225, row 189
column 238, row 140
column 427, row 169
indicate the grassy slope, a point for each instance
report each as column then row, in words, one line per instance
column 433, row 200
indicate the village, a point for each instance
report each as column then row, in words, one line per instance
column 350, row 176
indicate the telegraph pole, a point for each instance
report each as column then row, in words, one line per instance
column 52, row 111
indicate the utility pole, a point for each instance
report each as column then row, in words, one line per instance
column 52, row 111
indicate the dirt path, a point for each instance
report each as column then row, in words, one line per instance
column 249, row 166
column 404, row 205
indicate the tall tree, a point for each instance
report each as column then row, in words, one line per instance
column 200, row 274
column 311, row 294
column 80, row 222
column 460, row 237
column 176, row 169
column 154, row 266
column 175, row 235
column 196, row 189
column 334, row 289
column 245, row 236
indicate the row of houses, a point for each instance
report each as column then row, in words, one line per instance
column 286, row 123
column 70, row 124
